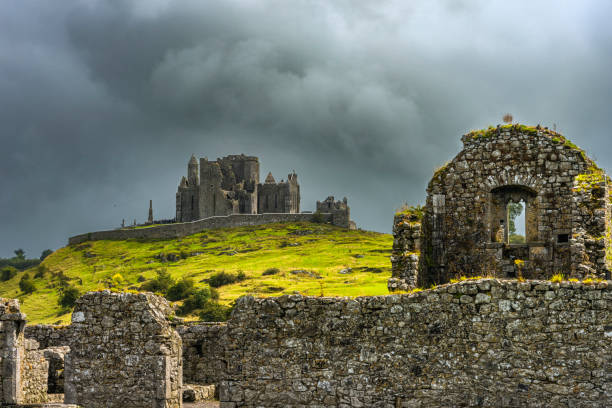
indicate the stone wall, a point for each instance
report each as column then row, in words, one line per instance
column 123, row 353
column 465, row 227
column 474, row 343
column 204, row 358
column 177, row 230
column 12, row 351
column 406, row 251
column 34, row 374
column 48, row 335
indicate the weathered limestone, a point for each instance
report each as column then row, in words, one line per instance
column 465, row 226
column 406, row 250
column 476, row 343
column 12, row 351
column 123, row 353
column 204, row 358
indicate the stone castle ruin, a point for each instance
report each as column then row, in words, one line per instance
column 464, row 227
column 230, row 185
column 227, row 193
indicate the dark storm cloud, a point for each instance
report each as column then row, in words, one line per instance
column 102, row 102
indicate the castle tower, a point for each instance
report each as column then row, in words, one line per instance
column 150, row 220
column 192, row 172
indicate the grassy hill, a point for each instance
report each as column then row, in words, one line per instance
column 312, row 259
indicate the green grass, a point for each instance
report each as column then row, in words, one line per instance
column 323, row 252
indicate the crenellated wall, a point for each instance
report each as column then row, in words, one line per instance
column 475, row 343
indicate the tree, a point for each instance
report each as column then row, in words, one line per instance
column 20, row 254
column 45, row 254
column 514, row 210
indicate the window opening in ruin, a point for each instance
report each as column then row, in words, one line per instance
column 516, row 222
column 191, row 203
column 563, row 238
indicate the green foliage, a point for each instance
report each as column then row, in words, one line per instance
column 40, row 272
column 45, row 254
column 514, row 210
column 271, row 271
column 516, row 239
column 215, row 312
column 160, row 284
column 7, row 273
column 20, row 254
column 198, row 299
column 414, row 212
column 26, row 285
column 223, row 278
column 180, row 290
column 68, row 297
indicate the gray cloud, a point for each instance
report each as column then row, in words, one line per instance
column 102, row 102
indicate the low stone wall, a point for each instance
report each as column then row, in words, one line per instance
column 177, row 230
column 123, row 353
column 474, row 343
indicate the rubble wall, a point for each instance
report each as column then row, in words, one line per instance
column 123, row 353
column 475, row 343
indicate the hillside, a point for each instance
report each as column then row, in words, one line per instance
column 311, row 259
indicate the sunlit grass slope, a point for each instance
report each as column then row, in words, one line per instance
column 310, row 259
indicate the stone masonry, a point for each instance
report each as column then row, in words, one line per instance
column 230, row 185
column 491, row 343
column 464, row 228
column 123, row 353
column 12, row 351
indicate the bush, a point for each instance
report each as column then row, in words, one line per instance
column 40, row 272
column 198, row 299
column 160, row 284
column 223, row 278
column 215, row 312
column 271, row 271
column 8, row 272
column 180, row 290
column 26, row 285
column 69, row 296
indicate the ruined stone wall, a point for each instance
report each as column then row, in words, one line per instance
column 467, row 199
column 123, row 353
column 12, row 351
column 170, row 231
column 34, row 374
column 48, row 335
column 204, row 358
column 475, row 343
column 406, row 251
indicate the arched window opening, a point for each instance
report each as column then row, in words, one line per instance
column 516, row 221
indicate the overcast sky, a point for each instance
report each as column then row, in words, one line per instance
column 103, row 102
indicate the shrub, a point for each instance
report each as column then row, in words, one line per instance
column 26, row 285
column 215, row 312
column 117, row 279
column 160, row 284
column 198, row 299
column 223, row 278
column 271, row 271
column 40, row 272
column 8, row 272
column 180, row 290
column 69, row 296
